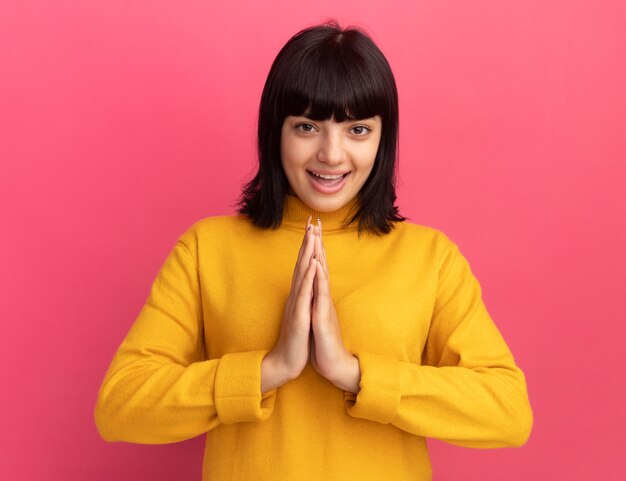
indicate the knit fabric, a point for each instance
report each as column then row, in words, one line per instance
column 433, row 364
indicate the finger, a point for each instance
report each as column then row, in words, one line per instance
column 307, row 254
column 318, row 245
column 303, row 262
column 323, row 285
column 297, row 267
column 321, row 254
column 322, row 291
column 307, row 228
column 319, row 223
column 314, row 296
column 305, row 291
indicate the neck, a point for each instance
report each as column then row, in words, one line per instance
column 296, row 213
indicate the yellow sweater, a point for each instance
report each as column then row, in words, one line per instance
column 433, row 364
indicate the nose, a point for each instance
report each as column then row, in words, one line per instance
column 331, row 149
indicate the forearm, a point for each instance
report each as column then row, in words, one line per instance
column 150, row 402
column 145, row 402
column 478, row 407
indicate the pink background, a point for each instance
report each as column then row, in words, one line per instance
column 121, row 123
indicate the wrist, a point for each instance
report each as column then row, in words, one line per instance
column 272, row 375
column 348, row 375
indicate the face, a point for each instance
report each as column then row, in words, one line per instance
column 327, row 162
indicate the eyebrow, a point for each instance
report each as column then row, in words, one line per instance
column 348, row 120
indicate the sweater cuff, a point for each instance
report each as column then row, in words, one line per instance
column 379, row 395
column 238, row 396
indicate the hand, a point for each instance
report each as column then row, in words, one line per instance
column 290, row 354
column 328, row 355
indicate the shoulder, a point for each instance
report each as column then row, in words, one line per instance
column 218, row 229
column 440, row 252
column 429, row 238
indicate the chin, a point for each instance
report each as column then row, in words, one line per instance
column 327, row 204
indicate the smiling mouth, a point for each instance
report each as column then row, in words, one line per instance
column 328, row 183
column 327, row 178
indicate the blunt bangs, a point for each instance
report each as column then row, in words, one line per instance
column 334, row 83
column 326, row 72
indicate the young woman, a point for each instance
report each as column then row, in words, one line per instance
column 317, row 335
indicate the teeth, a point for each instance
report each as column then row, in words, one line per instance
column 328, row 177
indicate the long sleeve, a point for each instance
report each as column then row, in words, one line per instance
column 467, row 391
column 159, row 387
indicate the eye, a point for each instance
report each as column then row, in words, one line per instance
column 304, row 127
column 360, row 130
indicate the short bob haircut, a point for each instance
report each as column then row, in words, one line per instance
column 324, row 72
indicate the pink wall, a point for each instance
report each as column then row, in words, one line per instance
column 121, row 123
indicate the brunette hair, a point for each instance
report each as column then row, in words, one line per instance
column 327, row 72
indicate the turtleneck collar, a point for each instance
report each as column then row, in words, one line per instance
column 296, row 213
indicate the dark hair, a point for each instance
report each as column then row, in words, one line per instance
column 327, row 72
